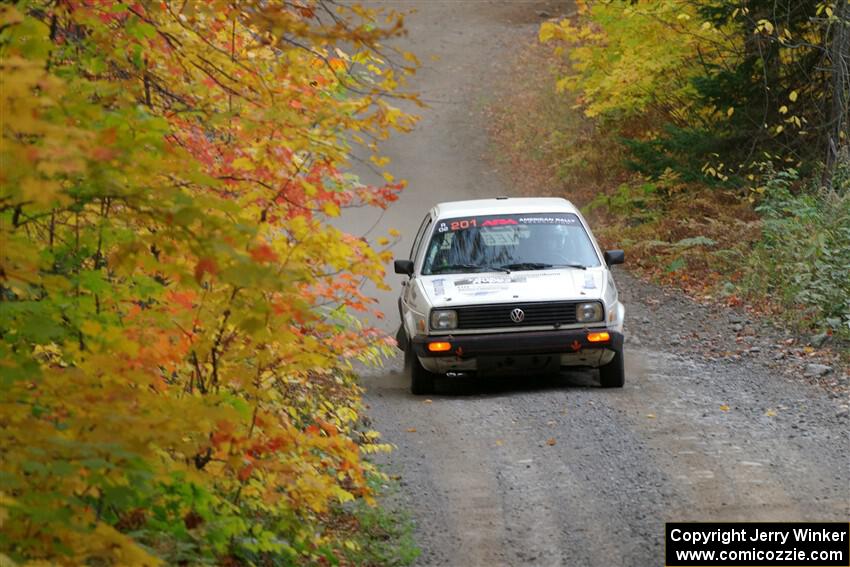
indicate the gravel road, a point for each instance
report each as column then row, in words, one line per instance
column 530, row 471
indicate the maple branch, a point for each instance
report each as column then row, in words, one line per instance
column 214, row 352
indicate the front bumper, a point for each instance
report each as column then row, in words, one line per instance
column 569, row 341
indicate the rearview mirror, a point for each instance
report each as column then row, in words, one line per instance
column 614, row 257
column 404, row 267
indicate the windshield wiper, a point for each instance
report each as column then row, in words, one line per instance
column 475, row 267
column 540, row 266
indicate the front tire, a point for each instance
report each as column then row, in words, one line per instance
column 613, row 374
column 421, row 381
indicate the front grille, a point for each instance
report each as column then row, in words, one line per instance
column 499, row 315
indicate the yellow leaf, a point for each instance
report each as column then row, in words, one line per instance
column 731, row 111
column 770, row 413
column 309, row 189
column 783, row 109
column 792, row 96
column 243, row 164
column 764, row 25
column 650, row 416
column 724, row 407
column 380, row 161
column 411, row 430
column 331, row 209
column 90, row 328
column 547, row 32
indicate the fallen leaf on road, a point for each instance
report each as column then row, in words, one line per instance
column 724, row 407
column 770, row 413
column 411, row 430
column 499, row 442
column 551, row 441
column 551, row 422
column 650, row 415
column 427, row 401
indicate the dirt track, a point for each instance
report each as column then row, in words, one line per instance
column 560, row 472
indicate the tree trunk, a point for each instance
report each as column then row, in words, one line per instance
column 838, row 131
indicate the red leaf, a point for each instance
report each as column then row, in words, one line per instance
column 205, row 265
column 263, row 253
column 245, row 472
column 101, row 153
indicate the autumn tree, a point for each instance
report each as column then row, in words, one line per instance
column 734, row 119
column 707, row 88
column 177, row 316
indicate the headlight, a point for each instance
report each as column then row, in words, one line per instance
column 589, row 312
column 443, row 320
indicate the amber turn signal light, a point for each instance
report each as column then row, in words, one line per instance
column 439, row 347
column 598, row 337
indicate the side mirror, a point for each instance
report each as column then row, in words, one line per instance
column 403, row 267
column 614, row 257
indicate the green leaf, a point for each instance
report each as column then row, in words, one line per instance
column 676, row 265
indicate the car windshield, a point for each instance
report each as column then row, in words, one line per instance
column 508, row 243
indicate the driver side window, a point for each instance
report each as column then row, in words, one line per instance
column 423, row 229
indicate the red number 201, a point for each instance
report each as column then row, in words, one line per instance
column 460, row 225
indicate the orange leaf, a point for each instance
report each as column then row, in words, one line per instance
column 263, row 253
column 205, row 265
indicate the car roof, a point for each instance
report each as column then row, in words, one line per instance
column 504, row 205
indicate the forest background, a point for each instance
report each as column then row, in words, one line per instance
column 707, row 137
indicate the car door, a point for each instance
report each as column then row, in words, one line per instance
column 409, row 294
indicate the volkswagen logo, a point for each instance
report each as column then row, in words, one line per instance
column 517, row 315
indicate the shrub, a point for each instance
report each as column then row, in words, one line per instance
column 803, row 257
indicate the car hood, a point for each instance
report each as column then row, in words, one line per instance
column 447, row 290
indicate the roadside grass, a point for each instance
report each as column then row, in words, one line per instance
column 380, row 535
column 719, row 245
column 364, row 535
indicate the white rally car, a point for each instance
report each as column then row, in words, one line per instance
column 504, row 285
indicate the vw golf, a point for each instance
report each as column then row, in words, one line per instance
column 505, row 285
